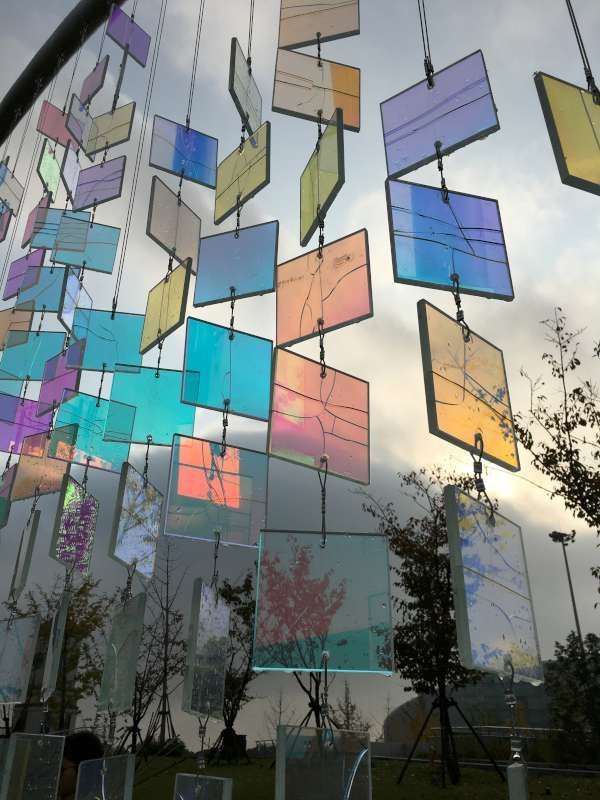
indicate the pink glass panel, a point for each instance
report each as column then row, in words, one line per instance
column 94, row 81
column 52, row 123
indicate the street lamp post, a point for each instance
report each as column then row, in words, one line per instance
column 564, row 539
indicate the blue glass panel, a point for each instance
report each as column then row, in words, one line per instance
column 246, row 263
column 184, row 151
column 431, row 240
column 219, row 368
column 29, row 358
column 73, row 296
column 47, row 226
column 91, row 246
column 45, row 295
column 108, row 341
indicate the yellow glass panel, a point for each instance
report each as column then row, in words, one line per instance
column 110, row 129
column 165, row 309
column 243, row 173
column 15, row 319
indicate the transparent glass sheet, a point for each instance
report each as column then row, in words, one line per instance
column 56, row 228
column 172, row 224
column 299, row 23
column 24, row 555
column 52, row 123
column 120, row 662
column 74, row 297
column 81, row 245
column 36, row 211
column 136, row 526
column 458, row 110
column 313, row 89
column 125, row 32
column 432, row 240
column 45, row 294
column 219, row 368
column 48, row 169
column 5, row 217
column 246, row 263
column 166, row 307
column 26, row 359
column 33, row 767
column 6, row 482
column 466, row 388
column 184, row 152
column 573, row 122
column 74, row 526
column 494, row 607
column 243, row 89
column 93, row 82
column 110, row 129
column 108, row 341
column 38, row 471
column 334, row 289
column 100, row 183
column 18, row 420
column 79, row 122
column 321, row 762
column 312, row 417
column 11, row 190
column 191, row 787
column 69, row 171
column 322, row 178
column 312, row 599
column 17, row 649
column 207, row 653
column 59, row 380
column 242, row 174
column 22, row 273
column 14, row 319
column 108, row 778
column 55, row 647
column 209, row 492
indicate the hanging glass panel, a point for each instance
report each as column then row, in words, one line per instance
column 59, row 380
column 18, row 638
column 312, row 599
column 26, row 359
column 329, row 291
column 125, row 32
column 6, row 482
column 221, row 367
column 303, row 24
column 36, row 211
column 18, row 420
column 458, row 110
column 245, row 262
column 14, row 319
column 494, row 608
column 172, row 224
column 22, row 273
column 432, row 240
column 108, row 341
column 190, row 787
column 210, row 492
column 207, row 654
column 74, row 297
column 24, row 555
column 313, row 88
column 5, row 217
column 110, row 129
column 136, row 526
column 184, row 152
column 55, row 647
column 45, row 294
column 313, row 416
column 243, row 173
column 120, row 661
column 50, row 233
column 79, row 122
column 69, row 171
column 108, row 778
column 466, row 388
column 74, row 526
column 48, row 169
column 38, row 471
column 93, row 247
column 33, row 767
column 94, row 81
column 100, row 183
column 52, row 123
column 11, row 190
column 243, row 89
column 166, row 307
column 322, row 178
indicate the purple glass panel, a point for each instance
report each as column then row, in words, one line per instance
column 28, row 232
column 94, row 81
column 18, row 419
column 60, row 381
column 5, row 217
column 75, row 526
column 99, row 183
column 52, row 123
column 128, row 34
column 23, row 273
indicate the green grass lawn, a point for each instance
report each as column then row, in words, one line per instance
column 257, row 782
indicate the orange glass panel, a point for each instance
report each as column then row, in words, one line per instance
column 37, row 470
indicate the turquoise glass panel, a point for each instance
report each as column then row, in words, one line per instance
column 219, row 368
column 47, row 225
column 45, row 295
column 22, row 359
column 91, row 246
column 108, row 341
column 312, row 599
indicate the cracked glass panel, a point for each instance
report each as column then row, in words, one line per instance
column 18, row 639
column 322, row 178
column 211, row 492
column 125, row 32
column 23, row 273
column 313, row 416
column 458, row 110
column 24, row 555
column 49, row 231
column 313, row 88
column 45, row 294
column 19, row 418
column 94, row 81
column 55, row 647
column 73, row 297
column 190, row 787
column 328, row 292
column 93, row 247
column 11, row 190
column 59, row 379
column 110, row 129
column 6, row 482
column 172, row 224
column 109, row 340
column 466, row 388
column 74, row 526
column 432, row 240
column 79, row 122
column 243, row 89
column 166, row 307
column 243, row 173
column 36, row 211
column 109, row 778
column 48, row 169
column 100, row 183
column 299, row 23
column 33, row 767
column 38, row 471
column 26, row 359
column 494, row 607
column 184, row 152
column 312, row 599
column 52, row 123
column 69, row 171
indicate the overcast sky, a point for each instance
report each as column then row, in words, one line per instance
column 552, row 234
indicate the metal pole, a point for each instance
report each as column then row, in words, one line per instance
column 564, row 539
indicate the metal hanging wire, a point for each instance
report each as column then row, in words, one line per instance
column 322, row 475
column 477, row 456
column 591, row 83
column 250, row 33
column 147, row 460
column 460, row 314
column 429, row 72
column 215, row 576
column 195, row 62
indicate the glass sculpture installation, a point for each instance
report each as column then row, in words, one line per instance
column 109, row 129
column 33, row 767
column 11, row 190
column 45, row 294
column 458, row 110
column 224, row 365
column 18, row 639
column 432, row 240
column 74, row 526
column 24, row 554
column 118, row 678
column 60, row 381
column 55, row 647
column 48, row 169
column 312, row 599
column 48, row 231
column 190, row 787
column 573, row 122
column 38, row 472
column 166, row 306
column 18, row 420
column 74, row 297
column 69, row 171
column 25, row 357
column 243, row 89
column 326, row 291
column 94, row 81
column 313, row 88
column 52, row 122
column 125, row 32
column 23, row 273
column 109, row 778
column 303, row 24
column 136, row 525
column 36, row 211
column 466, row 388
column 322, row 178
column 212, row 492
column 109, row 339
column 99, row 183
column 243, row 173
column 79, row 123
column 313, row 416
column 184, row 152
column 207, row 652
column 494, row 607
column 172, row 224
column 6, row 482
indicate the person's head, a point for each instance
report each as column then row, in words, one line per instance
column 80, row 746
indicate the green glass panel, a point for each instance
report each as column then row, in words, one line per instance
column 48, row 169
column 33, row 767
column 74, row 526
column 18, row 639
column 243, row 173
column 110, row 339
column 166, row 307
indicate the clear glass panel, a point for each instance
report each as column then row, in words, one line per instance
column 312, row 599
column 110, row 129
column 69, row 171
column 120, row 662
column 137, row 521
column 33, row 215
column 243, row 89
column 166, row 307
column 172, row 224
column 108, row 341
column 49, row 222
column 207, row 653
column 48, row 169
column 432, row 240
column 22, row 273
column 59, row 380
column 55, row 647
column 11, row 190
column 94, row 81
column 74, row 526
column 313, row 88
column 322, row 178
column 210, row 493
column 5, row 217
column 333, row 288
column 314, row 416
column 299, row 23
column 22, row 359
column 243, row 173
column 459, row 109
column 123, row 30
column 494, row 608
column 219, row 367
column 6, row 482
column 191, row 787
column 184, row 152
column 79, row 122
column 52, row 123
column 45, row 294
column 17, row 649
column 14, row 319
column 93, row 247
column 38, row 471
column 33, row 767
column 322, row 763
column 24, row 554
column 466, row 388
column 246, row 263
column 108, row 778
column 18, row 420
column 100, row 183
column 73, row 297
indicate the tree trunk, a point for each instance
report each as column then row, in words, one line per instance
column 449, row 760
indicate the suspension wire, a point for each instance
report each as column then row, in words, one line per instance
column 250, row 32
column 232, row 317
column 215, row 576
column 75, row 64
column 22, row 142
column 147, row 459
column 103, row 37
column 584, row 56
column 426, row 47
column 225, row 426
column 460, row 314
column 477, row 456
column 201, row 7
column 321, row 323
column 322, row 475
column 440, row 166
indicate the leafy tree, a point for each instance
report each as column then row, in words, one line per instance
column 278, row 713
column 346, row 714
